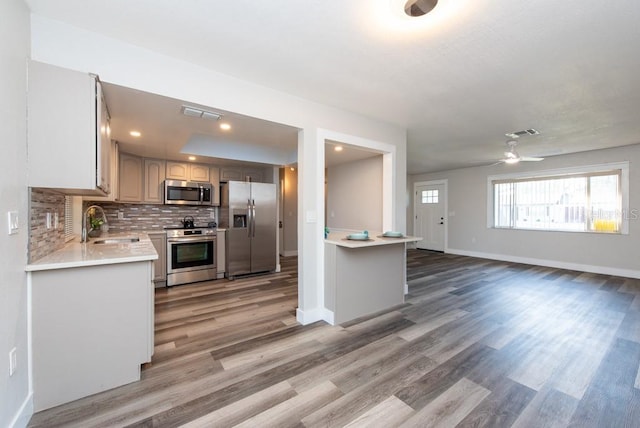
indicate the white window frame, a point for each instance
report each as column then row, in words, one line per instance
column 624, row 186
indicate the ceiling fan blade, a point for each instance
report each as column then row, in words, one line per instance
column 530, row 159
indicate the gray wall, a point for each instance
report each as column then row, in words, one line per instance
column 290, row 212
column 354, row 195
column 14, row 51
column 468, row 232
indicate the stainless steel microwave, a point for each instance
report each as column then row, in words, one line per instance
column 178, row 192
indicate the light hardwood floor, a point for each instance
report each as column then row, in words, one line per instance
column 477, row 343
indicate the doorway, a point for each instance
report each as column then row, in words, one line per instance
column 430, row 220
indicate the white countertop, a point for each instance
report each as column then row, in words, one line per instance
column 77, row 254
column 375, row 238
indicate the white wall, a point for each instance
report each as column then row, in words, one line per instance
column 15, row 404
column 613, row 254
column 354, row 195
column 128, row 65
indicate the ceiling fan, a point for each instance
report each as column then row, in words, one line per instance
column 511, row 156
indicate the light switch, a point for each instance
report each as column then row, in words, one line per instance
column 12, row 217
column 48, row 221
column 311, row 217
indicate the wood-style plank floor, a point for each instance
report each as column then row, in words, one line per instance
column 477, row 343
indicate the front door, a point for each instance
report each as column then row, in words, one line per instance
column 430, row 216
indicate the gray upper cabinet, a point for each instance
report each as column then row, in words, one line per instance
column 187, row 171
column 68, row 131
column 154, row 173
column 240, row 173
column 130, row 178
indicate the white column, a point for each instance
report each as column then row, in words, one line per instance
column 310, row 226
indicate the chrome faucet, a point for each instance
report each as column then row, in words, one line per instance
column 85, row 234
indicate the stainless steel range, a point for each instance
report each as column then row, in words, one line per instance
column 191, row 255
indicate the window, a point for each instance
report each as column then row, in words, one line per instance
column 430, row 196
column 592, row 200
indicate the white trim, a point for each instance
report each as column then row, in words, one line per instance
column 290, row 253
column 309, row 316
column 22, row 417
column 444, row 182
column 329, row 316
column 406, row 289
column 604, row 270
column 389, row 220
column 558, row 172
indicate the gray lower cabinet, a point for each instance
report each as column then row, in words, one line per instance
column 222, row 253
column 159, row 241
column 92, row 328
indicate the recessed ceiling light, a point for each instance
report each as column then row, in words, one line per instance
column 417, row 8
column 225, row 126
column 192, row 158
column 338, row 148
column 135, row 134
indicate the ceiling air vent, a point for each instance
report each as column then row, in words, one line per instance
column 196, row 112
column 521, row 133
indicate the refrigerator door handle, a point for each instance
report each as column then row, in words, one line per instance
column 253, row 217
column 250, row 219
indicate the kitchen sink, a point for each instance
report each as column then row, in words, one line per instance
column 117, row 240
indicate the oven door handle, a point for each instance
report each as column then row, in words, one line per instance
column 187, row 239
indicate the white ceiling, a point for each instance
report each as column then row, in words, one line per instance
column 458, row 80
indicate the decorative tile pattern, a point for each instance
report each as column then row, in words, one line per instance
column 43, row 241
column 137, row 217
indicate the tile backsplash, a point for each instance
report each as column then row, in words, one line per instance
column 134, row 217
column 120, row 218
column 43, row 241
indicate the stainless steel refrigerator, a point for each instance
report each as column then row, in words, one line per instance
column 249, row 212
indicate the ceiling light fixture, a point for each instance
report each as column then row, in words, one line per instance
column 192, row 158
column 198, row 112
column 418, row 8
column 135, row 134
column 225, row 126
column 338, row 148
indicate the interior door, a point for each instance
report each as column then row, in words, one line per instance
column 430, row 216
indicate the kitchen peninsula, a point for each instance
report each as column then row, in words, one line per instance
column 93, row 317
column 364, row 276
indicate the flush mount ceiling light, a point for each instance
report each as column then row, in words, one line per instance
column 225, row 126
column 192, row 158
column 135, row 134
column 198, row 112
column 338, row 148
column 417, row 8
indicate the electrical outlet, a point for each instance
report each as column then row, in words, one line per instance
column 13, row 361
column 120, row 215
column 56, row 221
column 48, row 220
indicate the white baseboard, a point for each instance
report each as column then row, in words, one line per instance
column 329, row 316
column 309, row 316
column 604, row 270
column 313, row 315
column 290, row 253
column 21, row 419
column 278, row 268
column 406, row 289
